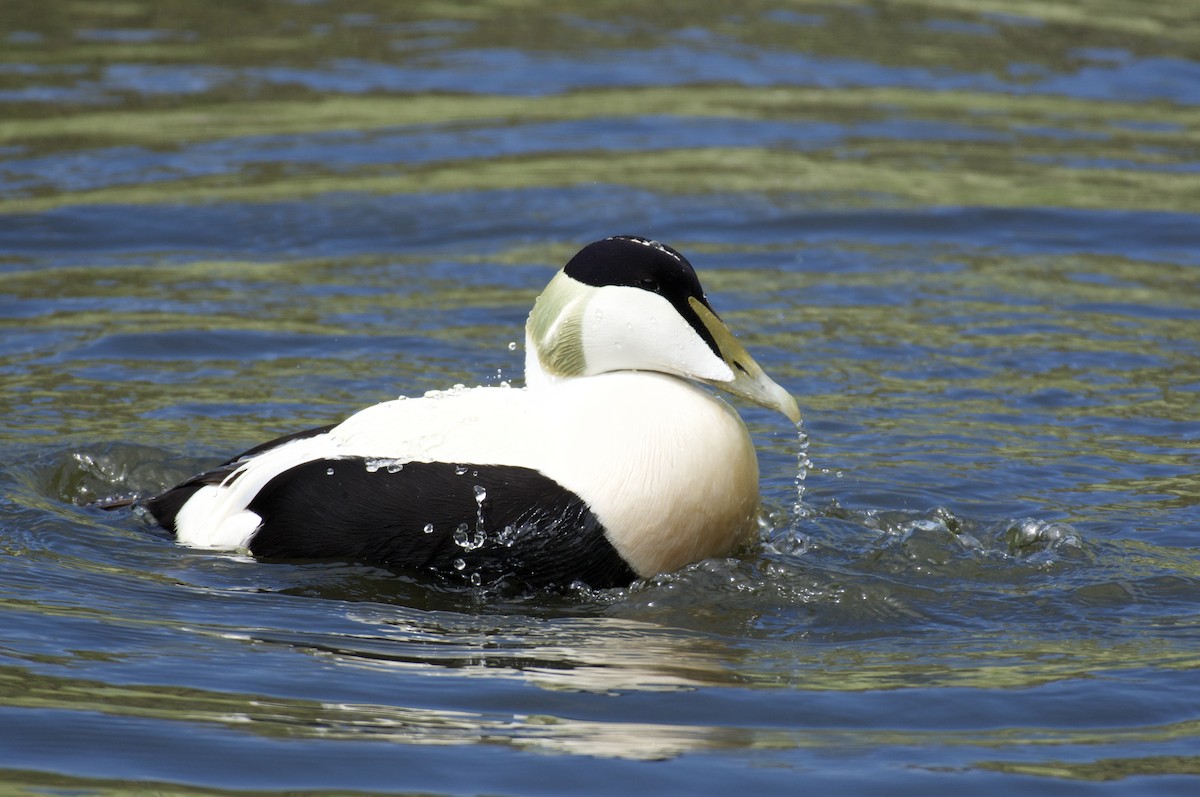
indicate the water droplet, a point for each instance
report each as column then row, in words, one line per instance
column 329, row 472
column 469, row 540
column 480, row 498
column 459, row 470
column 453, row 391
column 428, row 528
column 375, row 464
column 476, row 579
column 459, row 564
column 512, row 345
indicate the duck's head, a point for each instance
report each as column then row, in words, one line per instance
column 632, row 304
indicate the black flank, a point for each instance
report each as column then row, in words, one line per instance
column 528, row 528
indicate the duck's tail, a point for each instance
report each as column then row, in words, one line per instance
column 114, row 502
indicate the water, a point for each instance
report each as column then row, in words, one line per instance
column 966, row 239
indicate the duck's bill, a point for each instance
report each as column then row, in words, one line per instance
column 749, row 381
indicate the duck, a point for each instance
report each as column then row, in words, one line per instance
column 615, row 462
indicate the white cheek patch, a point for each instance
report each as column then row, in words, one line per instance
column 628, row 328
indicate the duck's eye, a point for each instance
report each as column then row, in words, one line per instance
column 650, row 284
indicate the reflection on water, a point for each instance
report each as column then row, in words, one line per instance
column 965, row 237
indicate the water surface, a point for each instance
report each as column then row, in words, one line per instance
column 966, row 238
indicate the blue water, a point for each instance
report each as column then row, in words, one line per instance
column 967, row 241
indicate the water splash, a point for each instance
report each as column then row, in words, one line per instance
column 86, row 477
column 804, row 464
column 1033, row 538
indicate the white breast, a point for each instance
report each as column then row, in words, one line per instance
column 668, row 468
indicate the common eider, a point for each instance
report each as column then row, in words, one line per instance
column 610, row 465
